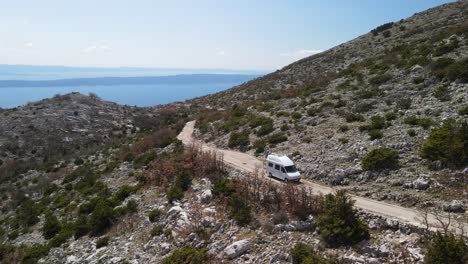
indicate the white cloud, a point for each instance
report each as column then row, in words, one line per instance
column 222, row 53
column 97, row 48
column 29, row 44
column 300, row 53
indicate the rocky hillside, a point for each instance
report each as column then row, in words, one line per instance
column 388, row 89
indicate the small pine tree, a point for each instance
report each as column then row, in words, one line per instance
column 339, row 224
column 239, row 209
column 302, row 254
column 101, row 218
column 51, row 226
column 446, row 248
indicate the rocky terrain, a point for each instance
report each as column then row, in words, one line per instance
column 388, row 88
column 58, row 127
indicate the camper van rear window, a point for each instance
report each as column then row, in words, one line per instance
column 270, row 164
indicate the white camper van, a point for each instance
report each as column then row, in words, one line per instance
column 282, row 167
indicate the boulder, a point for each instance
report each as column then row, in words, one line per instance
column 205, row 196
column 237, row 248
column 455, row 206
column 421, row 184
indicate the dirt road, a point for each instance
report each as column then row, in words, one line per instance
column 249, row 163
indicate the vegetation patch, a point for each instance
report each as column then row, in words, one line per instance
column 380, row 159
column 447, row 144
column 339, row 224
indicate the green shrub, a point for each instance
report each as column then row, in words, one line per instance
column 363, row 107
column 303, row 254
column 81, row 226
column 463, row 111
column 51, row 226
column 344, row 128
column 153, row 215
column 80, row 171
column 223, row 186
column 174, row 193
column 458, row 71
column 78, row 161
column 101, row 218
column 124, row 192
column 446, row 48
column 13, row 235
column 28, row 213
column 377, row 122
column 411, row 132
column 442, row 93
column 340, row 103
column 233, row 124
column 239, row 209
column 375, row 134
column 446, row 248
column 382, row 28
column 448, row 144
column 102, row 242
column 339, row 223
column 144, row 159
column 425, row 123
column 240, row 139
column 352, row 117
column 265, row 130
column 184, row 179
column 418, row 80
column 257, row 121
column 65, row 233
column 313, row 111
column 157, row 230
column 404, row 103
column 277, row 138
column 411, row 120
column 441, row 63
column 187, row 255
column 379, row 159
column 380, row 79
column 391, row 116
column 31, row 254
column 85, row 184
column 131, row 206
column 259, row 146
column 343, row 140
column 367, row 93
column 296, row 115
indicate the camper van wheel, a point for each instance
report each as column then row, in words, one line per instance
column 285, row 180
column 270, row 175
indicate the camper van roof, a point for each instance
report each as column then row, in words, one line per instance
column 281, row 159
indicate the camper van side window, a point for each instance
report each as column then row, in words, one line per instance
column 282, row 169
column 270, row 164
column 277, row 167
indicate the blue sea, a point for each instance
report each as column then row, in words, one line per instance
column 127, row 94
column 135, row 95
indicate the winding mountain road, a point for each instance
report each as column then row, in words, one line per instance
column 250, row 163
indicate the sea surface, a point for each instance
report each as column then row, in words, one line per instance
column 127, row 94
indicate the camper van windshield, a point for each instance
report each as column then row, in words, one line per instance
column 291, row 168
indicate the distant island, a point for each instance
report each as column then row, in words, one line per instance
column 149, row 80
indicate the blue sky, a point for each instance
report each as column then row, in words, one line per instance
column 237, row 34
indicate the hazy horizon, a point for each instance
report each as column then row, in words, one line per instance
column 187, row 34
